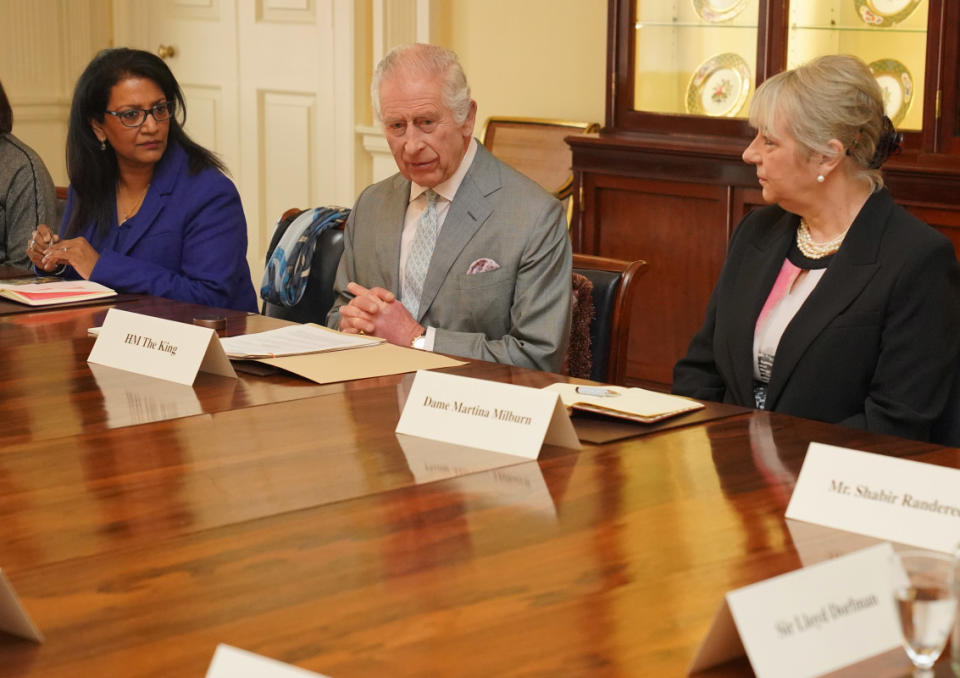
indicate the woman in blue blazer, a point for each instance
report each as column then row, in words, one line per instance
column 833, row 304
column 149, row 211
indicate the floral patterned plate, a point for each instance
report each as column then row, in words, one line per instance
column 720, row 86
column 885, row 13
column 715, row 11
column 897, row 85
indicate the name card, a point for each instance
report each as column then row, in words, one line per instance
column 808, row 622
column 155, row 347
column 486, row 415
column 231, row 662
column 13, row 618
column 898, row 500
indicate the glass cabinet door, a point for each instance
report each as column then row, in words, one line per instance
column 696, row 57
column 889, row 35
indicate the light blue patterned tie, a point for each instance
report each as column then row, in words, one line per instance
column 418, row 260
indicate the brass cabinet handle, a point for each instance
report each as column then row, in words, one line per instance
column 166, row 51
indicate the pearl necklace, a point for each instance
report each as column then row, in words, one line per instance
column 817, row 250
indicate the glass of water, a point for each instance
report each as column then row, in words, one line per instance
column 926, row 603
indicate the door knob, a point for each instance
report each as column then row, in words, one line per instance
column 166, row 51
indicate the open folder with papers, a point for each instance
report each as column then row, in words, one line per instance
column 292, row 340
column 632, row 404
column 33, row 293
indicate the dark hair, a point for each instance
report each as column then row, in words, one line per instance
column 889, row 143
column 6, row 113
column 94, row 173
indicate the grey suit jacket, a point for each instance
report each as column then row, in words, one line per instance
column 518, row 314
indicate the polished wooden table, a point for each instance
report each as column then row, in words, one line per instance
column 288, row 519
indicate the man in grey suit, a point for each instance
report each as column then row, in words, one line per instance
column 458, row 253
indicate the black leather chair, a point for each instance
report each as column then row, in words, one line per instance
column 319, row 295
column 613, row 295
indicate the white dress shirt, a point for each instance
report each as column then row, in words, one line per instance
column 418, row 205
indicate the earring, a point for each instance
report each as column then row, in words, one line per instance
column 103, row 145
column 820, row 178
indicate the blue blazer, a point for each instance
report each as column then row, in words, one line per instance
column 188, row 241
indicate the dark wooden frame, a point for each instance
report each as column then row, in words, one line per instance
column 622, row 305
column 941, row 79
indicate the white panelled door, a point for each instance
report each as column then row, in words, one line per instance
column 269, row 85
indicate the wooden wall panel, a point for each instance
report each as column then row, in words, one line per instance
column 680, row 229
column 947, row 221
column 929, row 195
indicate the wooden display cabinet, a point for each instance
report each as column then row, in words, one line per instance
column 664, row 180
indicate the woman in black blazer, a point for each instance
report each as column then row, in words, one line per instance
column 834, row 303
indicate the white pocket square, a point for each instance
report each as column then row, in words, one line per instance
column 482, row 266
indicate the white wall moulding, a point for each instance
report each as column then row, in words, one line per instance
column 376, row 146
column 39, row 110
column 399, row 22
column 289, row 11
column 194, row 9
column 205, row 117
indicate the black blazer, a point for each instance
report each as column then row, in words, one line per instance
column 874, row 346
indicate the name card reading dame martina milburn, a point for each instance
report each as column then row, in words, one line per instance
column 154, row 347
column 897, row 500
column 486, row 415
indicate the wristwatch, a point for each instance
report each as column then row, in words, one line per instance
column 419, row 342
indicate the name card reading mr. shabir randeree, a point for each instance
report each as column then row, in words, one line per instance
column 484, row 414
column 899, row 500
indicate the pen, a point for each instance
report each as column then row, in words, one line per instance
column 599, row 391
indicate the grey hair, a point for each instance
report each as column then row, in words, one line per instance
column 429, row 60
column 831, row 97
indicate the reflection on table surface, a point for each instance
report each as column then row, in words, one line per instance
column 290, row 520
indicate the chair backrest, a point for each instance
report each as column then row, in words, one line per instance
column 613, row 295
column 536, row 148
column 319, row 295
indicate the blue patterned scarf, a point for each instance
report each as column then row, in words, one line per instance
column 285, row 278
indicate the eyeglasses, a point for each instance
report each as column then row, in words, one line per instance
column 134, row 117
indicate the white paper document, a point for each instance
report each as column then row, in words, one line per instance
column 898, row 500
column 231, row 662
column 293, row 340
column 57, row 292
column 809, row 622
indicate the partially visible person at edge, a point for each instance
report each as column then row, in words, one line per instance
column 833, row 304
column 457, row 252
column 149, row 211
column 27, row 196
